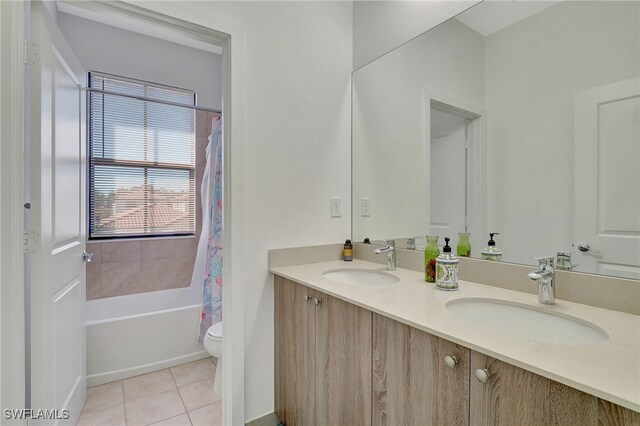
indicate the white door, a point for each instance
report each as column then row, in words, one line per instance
column 607, row 179
column 448, row 191
column 57, row 196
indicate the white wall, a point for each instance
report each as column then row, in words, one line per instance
column 390, row 119
column 297, row 144
column 117, row 51
column 380, row 26
column 568, row 48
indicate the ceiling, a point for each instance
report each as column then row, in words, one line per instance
column 493, row 15
column 90, row 11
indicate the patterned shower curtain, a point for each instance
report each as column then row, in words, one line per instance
column 211, row 272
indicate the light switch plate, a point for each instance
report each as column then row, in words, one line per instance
column 365, row 207
column 336, row 207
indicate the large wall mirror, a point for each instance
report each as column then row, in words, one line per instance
column 520, row 118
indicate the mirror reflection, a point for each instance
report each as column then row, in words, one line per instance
column 515, row 118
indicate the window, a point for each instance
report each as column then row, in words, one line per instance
column 141, row 158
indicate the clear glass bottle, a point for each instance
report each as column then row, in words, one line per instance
column 464, row 246
column 563, row 260
column 491, row 252
column 447, row 269
column 431, row 252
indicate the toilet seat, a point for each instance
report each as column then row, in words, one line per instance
column 215, row 331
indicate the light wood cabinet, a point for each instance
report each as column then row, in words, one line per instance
column 295, row 353
column 323, row 358
column 412, row 385
column 513, row 396
column 339, row 364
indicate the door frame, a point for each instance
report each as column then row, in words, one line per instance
column 477, row 154
column 191, row 24
column 12, row 160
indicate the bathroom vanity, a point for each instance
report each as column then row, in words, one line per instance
column 395, row 352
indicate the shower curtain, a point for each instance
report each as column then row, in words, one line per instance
column 207, row 272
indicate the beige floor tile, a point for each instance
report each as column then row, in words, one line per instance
column 192, row 372
column 198, row 394
column 104, row 396
column 154, row 408
column 209, row 415
column 147, row 384
column 110, row 416
column 181, row 420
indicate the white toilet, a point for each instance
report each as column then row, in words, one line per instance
column 213, row 345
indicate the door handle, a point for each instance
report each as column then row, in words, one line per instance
column 587, row 249
column 86, row 256
column 584, row 247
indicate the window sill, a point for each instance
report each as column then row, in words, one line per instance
column 121, row 240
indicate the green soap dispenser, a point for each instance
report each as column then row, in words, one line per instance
column 491, row 252
column 447, row 269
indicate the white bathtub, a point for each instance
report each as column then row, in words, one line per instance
column 138, row 333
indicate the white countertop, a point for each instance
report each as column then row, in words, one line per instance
column 608, row 370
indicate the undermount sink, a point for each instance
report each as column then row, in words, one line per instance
column 360, row 277
column 527, row 322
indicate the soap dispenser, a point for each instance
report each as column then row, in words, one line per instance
column 447, row 269
column 347, row 251
column 491, row 252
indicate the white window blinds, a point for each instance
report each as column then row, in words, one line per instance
column 141, row 158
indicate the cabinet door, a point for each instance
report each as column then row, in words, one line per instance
column 412, row 385
column 343, row 363
column 515, row 396
column 294, row 353
column 615, row 415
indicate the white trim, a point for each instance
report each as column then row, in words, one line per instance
column 125, row 373
column 478, row 155
column 12, row 319
column 232, row 37
column 95, row 13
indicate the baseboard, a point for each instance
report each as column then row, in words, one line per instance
column 112, row 376
column 269, row 419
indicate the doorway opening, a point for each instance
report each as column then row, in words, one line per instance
column 456, row 184
column 126, row 14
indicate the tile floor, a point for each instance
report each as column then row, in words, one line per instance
column 177, row 396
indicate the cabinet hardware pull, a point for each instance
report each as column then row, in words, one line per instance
column 317, row 301
column 451, row 360
column 482, row 374
column 307, row 297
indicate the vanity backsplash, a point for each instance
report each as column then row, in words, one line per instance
column 618, row 294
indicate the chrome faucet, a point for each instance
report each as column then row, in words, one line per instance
column 545, row 275
column 390, row 249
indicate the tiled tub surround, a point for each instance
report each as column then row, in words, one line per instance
column 609, row 370
column 122, row 267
